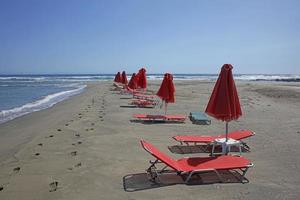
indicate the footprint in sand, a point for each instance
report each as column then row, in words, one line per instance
column 78, row 165
column 73, row 153
column 17, row 169
column 79, row 142
column 53, row 186
column 75, row 166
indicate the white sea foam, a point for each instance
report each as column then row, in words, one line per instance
column 46, row 102
column 24, row 78
column 263, row 77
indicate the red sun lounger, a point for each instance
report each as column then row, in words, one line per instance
column 194, row 165
column 236, row 135
column 144, row 103
column 143, row 96
column 159, row 118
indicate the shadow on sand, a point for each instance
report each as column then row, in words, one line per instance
column 133, row 106
column 137, row 182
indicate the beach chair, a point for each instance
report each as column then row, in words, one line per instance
column 143, row 96
column 199, row 118
column 144, row 103
column 187, row 167
column 206, row 139
column 159, row 118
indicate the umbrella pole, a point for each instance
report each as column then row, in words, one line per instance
column 225, row 145
column 226, row 131
column 166, row 105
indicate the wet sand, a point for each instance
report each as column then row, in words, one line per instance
column 85, row 147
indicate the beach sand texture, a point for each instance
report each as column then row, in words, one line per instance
column 82, row 148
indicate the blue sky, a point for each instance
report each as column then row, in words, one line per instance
column 178, row 36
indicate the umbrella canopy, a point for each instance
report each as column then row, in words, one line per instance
column 167, row 90
column 118, row 78
column 124, row 78
column 224, row 102
column 142, row 79
column 133, row 82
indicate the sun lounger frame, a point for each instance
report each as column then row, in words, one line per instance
column 154, row 173
column 159, row 118
column 188, row 143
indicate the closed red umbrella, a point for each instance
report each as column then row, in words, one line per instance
column 224, row 102
column 142, row 78
column 133, row 82
column 118, row 78
column 167, row 90
column 124, row 78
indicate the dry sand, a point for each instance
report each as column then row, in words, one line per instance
column 83, row 147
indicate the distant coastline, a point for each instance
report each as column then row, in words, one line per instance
column 178, row 76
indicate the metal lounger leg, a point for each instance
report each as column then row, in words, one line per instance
column 200, row 171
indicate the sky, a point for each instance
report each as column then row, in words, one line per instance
column 177, row 36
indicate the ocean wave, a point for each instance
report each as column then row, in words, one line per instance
column 46, row 102
column 240, row 77
column 22, row 78
column 262, row 77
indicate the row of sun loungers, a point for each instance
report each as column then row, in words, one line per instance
column 187, row 167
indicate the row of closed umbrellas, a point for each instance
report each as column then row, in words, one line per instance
column 138, row 80
column 223, row 103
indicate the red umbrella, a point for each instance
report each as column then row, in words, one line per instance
column 118, row 78
column 133, row 82
column 124, row 78
column 142, row 79
column 224, row 102
column 167, row 90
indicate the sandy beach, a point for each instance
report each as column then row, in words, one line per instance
column 83, row 147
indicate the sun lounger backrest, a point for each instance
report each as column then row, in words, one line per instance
column 159, row 155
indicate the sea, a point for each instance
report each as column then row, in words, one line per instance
column 23, row 94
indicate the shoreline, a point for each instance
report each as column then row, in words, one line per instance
column 28, row 118
column 88, row 144
column 43, row 102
